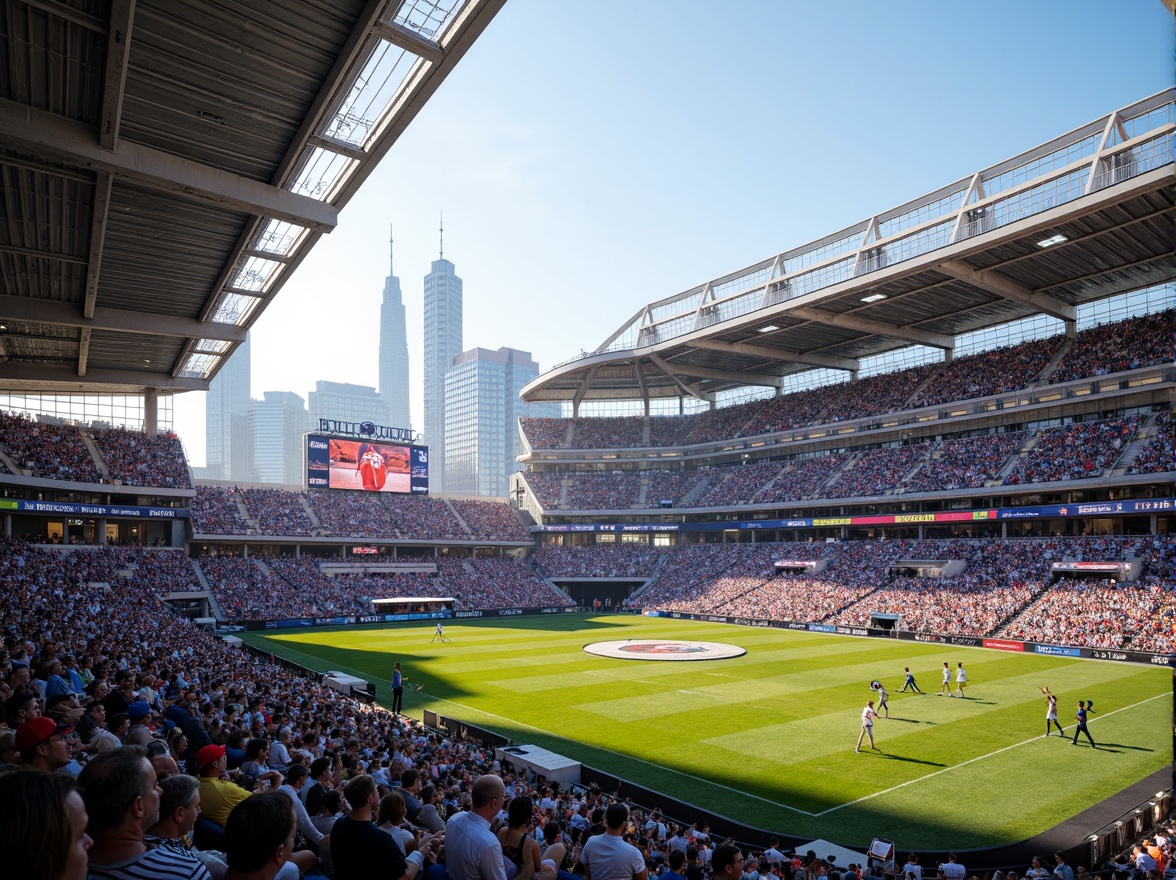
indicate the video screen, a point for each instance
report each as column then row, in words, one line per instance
column 366, row 466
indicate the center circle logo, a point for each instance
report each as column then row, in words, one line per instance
column 664, row 649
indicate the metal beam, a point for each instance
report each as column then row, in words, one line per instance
column 118, row 50
column 398, row 35
column 97, row 240
column 83, row 351
column 1010, row 290
column 764, row 379
column 32, row 253
column 585, row 385
column 766, row 351
column 25, row 128
column 38, row 311
column 337, row 146
column 59, row 10
column 877, row 328
column 19, row 376
column 675, row 377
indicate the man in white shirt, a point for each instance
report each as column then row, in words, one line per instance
column 472, row 852
column 868, row 716
column 295, row 780
column 952, row 869
column 607, row 856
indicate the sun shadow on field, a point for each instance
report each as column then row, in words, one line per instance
column 903, row 720
column 891, row 757
column 1114, row 746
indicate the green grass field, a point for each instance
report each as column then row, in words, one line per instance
column 767, row 738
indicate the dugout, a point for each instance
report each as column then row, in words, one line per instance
column 801, row 566
column 925, row 568
column 413, row 604
column 1127, row 570
column 887, row 622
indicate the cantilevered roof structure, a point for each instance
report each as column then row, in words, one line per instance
column 1080, row 218
column 165, row 167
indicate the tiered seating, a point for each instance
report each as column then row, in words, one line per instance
column 489, row 520
column 598, row 560
column 990, row 372
column 1078, row 451
column 1158, row 455
column 215, row 512
column 1113, row 348
column 965, row 463
column 277, row 511
column 56, row 452
column 140, row 460
column 875, row 472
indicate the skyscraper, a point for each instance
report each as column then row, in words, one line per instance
column 346, row 403
column 279, row 422
column 394, row 350
column 443, row 303
column 482, row 411
column 228, row 438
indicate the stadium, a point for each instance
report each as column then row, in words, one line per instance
column 938, row 439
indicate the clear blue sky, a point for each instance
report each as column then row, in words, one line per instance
column 591, row 157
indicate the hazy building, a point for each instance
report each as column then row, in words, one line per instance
column 394, row 350
column 347, row 403
column 482, row 410
column 279, row 422
column 228, row 439
column 443, row 317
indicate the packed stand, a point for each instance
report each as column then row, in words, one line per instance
column 691, row 570
column 739, row 484
column 278, row 512
column 1158, row 454
column 1138, row 615
column 797, row 410
column 495, row 583
column 352, row 514
column 423, row 518
column 596, row 491
column 141, row 460
column 246, row 589
column 546, row 487
column 875, row 395
column 965, row 463
column 853, row 572
column 215, row 511
column 490, row 520
column 803, row 478
column 546, row 433
column 1001, row 578
column 1077, row 451
column 608, row 432
column 1113, row 348
column 56, row 452
column 876, row 471
column 599, row 560
column 989, row 372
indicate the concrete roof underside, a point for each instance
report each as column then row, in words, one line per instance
column 974, row 254
column 165, row 167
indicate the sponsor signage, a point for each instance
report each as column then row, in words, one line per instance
column 467, row 613
column 1109, row 567
column 365, row 429
column 965, row 641
column 852, row 630
column 103, row 510
column 1004, row 644
column 1057, row 651
column 821, row 628
column 927, row 637
column 337, row 620
column 795, row 625
column 1111, row 508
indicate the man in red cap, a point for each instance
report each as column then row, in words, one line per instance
column 44, row 743
column 217, row 796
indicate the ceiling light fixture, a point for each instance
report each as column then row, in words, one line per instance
column 768, row 329
column 1052, row 240
column 874, row 297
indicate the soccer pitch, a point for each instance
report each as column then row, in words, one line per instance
column 768, row 738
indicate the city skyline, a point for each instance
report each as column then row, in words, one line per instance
column 611, row 170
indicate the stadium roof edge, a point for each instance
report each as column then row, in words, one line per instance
column 964, row 257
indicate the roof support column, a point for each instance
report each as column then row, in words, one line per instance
column 1071, row 329
column 150, row 411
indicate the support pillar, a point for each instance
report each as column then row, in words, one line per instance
column 150, row 411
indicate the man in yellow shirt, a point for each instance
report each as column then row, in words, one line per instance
column 217, row 796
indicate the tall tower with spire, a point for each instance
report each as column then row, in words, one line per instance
column 394, row 348
column 443, row 342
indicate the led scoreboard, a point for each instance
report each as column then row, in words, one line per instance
column 358, row 465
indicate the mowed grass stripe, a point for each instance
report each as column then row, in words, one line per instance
column 779, row 722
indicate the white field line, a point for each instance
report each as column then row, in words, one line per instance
column 970, row 761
